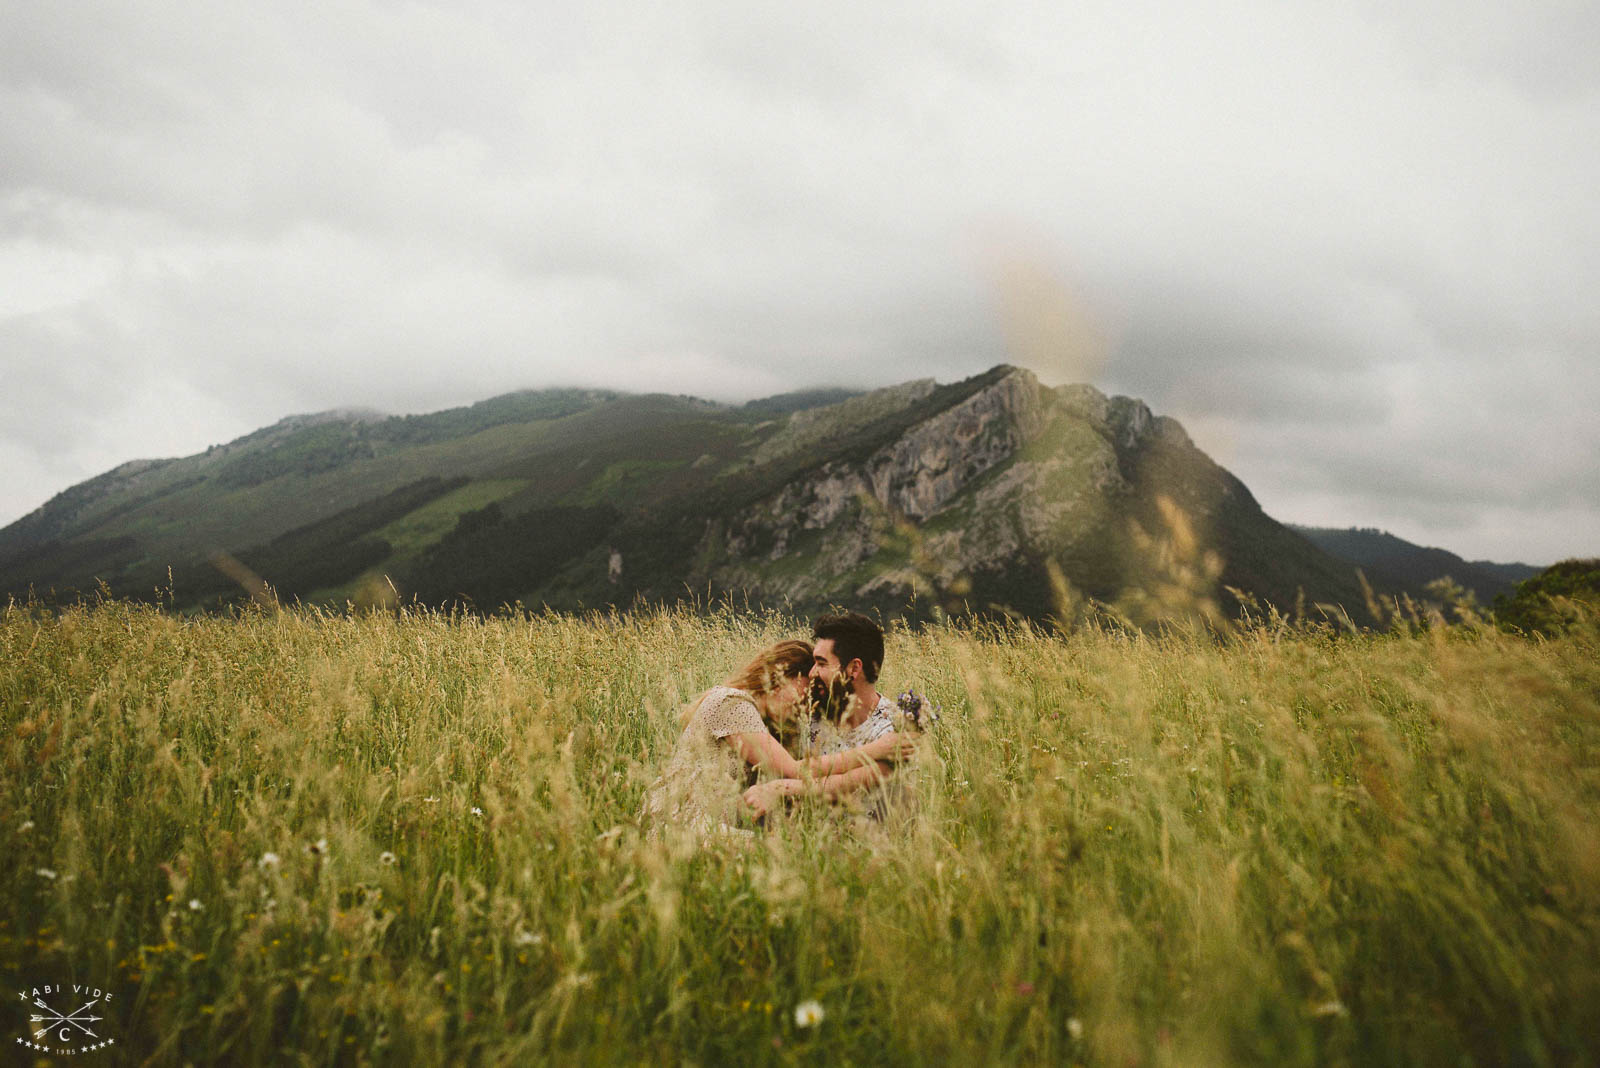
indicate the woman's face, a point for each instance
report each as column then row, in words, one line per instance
column 784, row 702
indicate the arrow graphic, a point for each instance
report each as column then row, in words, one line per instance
column 56, row 1019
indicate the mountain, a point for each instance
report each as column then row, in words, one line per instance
column 993, row 494
column 1397, row 563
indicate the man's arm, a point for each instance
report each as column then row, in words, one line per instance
column 765, row 752
column 764, row 797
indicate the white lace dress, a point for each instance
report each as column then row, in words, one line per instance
column 701, row 784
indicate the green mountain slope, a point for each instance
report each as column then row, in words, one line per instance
column 995, row 493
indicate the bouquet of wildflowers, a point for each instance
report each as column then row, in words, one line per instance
column 914, row 713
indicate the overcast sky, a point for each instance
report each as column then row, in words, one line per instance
column 1354, row 249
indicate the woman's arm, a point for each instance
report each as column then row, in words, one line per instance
column 765, row 752
column 764, row 797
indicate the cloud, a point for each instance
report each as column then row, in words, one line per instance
column 1326, row 237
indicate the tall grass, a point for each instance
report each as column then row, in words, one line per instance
column 1286, row 847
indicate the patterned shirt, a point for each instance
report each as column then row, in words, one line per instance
column 826, row 738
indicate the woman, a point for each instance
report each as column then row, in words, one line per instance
column 727, row 741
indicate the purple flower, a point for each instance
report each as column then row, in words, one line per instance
column 917, row 710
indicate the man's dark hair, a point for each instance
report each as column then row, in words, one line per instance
column 855, row 637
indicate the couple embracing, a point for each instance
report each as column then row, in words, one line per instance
column 729, row 766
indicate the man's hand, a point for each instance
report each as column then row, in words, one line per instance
column 892, row 747
column 763, row 797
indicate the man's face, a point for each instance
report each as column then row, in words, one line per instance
column 831, row 682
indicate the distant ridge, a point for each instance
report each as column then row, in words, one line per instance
column 1398, row 563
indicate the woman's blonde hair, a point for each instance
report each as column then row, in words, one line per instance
column 770, row 669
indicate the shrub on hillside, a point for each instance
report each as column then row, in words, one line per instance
column 1553, row 600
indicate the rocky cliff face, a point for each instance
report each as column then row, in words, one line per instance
column 1012, row 476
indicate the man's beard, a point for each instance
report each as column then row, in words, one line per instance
column 830, row 698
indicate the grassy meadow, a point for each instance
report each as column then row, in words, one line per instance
column 309, row 837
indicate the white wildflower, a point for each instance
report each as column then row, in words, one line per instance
column 1331, row 1008
column 1074, row 1028
column 430, row 800
column 269, row 860
column 25, row 826
column 46, row 873
column 194, row 904
column 476, row 811
column 387, row 857
column 319, row 848
column 528, row 938
column 808, row 1014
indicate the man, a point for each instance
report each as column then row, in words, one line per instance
column 847, row 657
